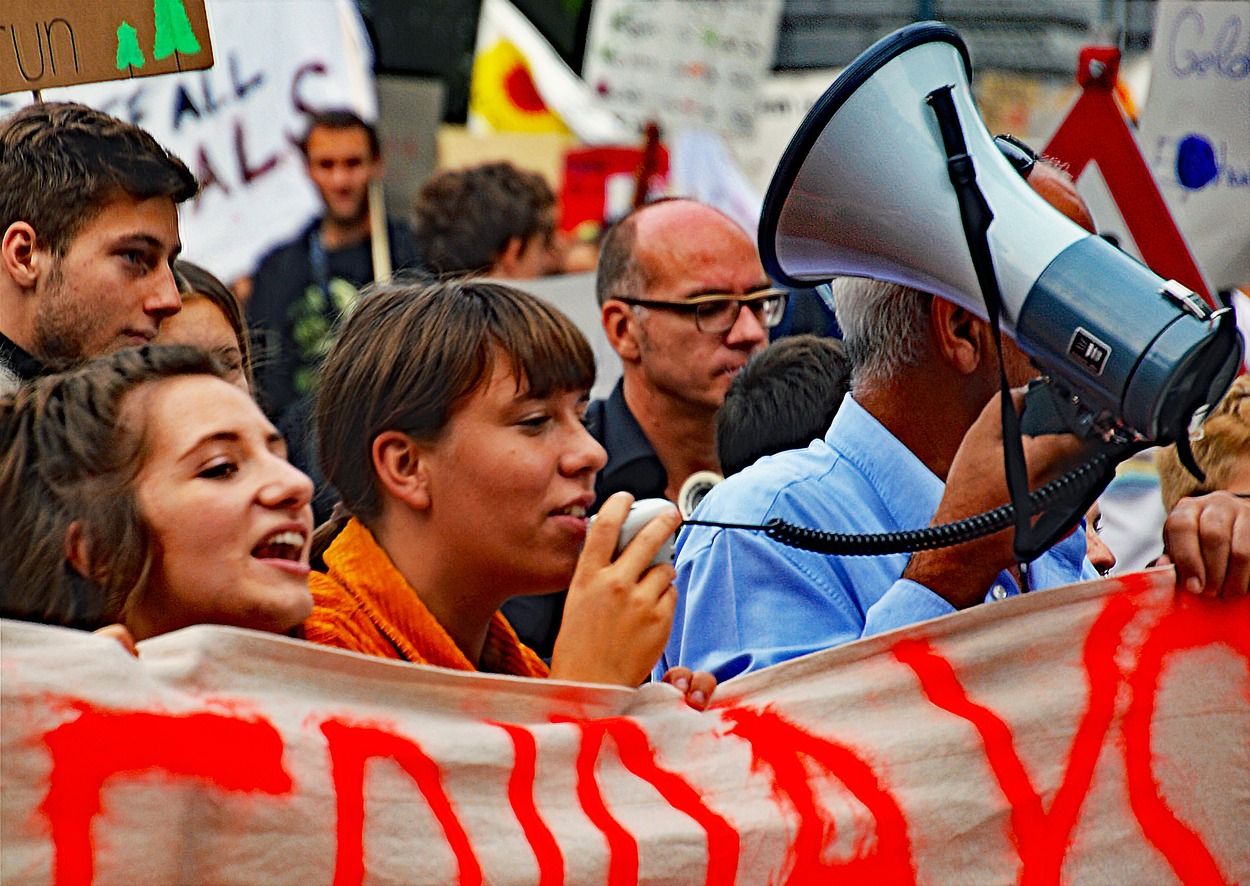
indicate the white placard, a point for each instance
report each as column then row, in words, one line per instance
column 1195, row 130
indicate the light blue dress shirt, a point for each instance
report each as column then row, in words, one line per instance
column 746, row 602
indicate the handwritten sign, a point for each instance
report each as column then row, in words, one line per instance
column 1195, row 130
column 695, row 64
column 1093, row 734
column 46, row 43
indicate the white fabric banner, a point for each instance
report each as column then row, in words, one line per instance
column 1094, row 734
column 1195, row 130
column 236, row 124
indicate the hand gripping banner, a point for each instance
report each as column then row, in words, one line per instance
column 1093, row 734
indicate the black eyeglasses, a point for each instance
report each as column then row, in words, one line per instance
column 718, row 312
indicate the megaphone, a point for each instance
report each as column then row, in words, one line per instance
column 866, row 188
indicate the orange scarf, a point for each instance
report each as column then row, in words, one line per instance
column 363, row 604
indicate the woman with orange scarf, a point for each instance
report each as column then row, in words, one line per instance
column 449, row 420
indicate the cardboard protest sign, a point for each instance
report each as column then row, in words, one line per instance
column 46, row 43
column 1094, row 734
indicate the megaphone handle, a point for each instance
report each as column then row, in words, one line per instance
column 1055, row 520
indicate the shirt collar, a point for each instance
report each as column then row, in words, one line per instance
column 888, row 465
column 622, row 435
column 26, row 366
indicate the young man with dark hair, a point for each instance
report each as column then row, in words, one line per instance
column 89, row 215
column 303, row 287
column 493, row 219
column 784, row 398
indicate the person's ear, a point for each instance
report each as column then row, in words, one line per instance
column 402, row 469
column 509, row 258
column 961, row 337
column 78, row 549
column 620, row 324
column 20, row 255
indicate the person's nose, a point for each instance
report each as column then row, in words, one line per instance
column 747, row 330
column 164, row 300
column 1100, row 556
column 285, row 486
column 584, row 454
column 342, row 176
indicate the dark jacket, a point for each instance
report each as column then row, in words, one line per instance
column 293, row 315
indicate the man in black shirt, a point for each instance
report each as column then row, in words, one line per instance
column 685, row 303
column 302, row 288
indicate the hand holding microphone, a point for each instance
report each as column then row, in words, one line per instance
column 621, row 600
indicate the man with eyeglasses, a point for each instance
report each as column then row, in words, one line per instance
column 685, row 303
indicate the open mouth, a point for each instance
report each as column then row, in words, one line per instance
column 570, row 511
column 285, row 545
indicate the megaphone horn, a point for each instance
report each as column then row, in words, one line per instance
column 864, row 189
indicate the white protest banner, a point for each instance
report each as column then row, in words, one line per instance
column 692, row 63
column 1195, row 129
column 236, row 124
column 1094, row 734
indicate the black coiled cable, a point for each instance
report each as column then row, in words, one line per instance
column 1072, row 485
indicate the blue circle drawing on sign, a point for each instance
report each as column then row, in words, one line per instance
column 1195, row 162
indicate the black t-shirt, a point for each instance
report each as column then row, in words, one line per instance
column 293, row 314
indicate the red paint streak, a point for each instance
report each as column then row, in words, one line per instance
column 519, row 86
column 638, row 757
column 1041, row 839
column 938, row 680
column 1194, row 622
column 233, row 754
column 521, row 795
column 782, row 747
column 351, row 747
column 622, row 847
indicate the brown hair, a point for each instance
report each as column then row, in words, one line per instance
column 464, row 218
column 1224, row 441
column 339, row 119
column 70, row 455
column 61, row 163
column 195, row 281
column 410, row 355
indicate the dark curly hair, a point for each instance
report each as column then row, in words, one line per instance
column 464, row 218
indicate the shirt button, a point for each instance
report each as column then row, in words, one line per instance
column 998, row 592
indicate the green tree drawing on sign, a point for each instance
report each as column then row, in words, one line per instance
column 128, row 52
column 173, row 30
